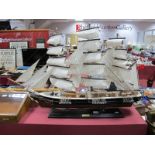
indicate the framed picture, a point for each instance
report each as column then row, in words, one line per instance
column 8, row 58
column 40, row 43
column 18, row 44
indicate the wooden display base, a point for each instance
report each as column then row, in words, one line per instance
column 85, row 113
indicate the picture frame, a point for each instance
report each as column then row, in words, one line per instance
column 8, row 58
column 18, row 44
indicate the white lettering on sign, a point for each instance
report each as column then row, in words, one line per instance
column 80, row 27
column 15, row 39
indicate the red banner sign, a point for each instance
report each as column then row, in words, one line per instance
column 31, row 36
column 78, row 27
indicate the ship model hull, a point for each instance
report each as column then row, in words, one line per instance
column 87, row 108
column 98, row 102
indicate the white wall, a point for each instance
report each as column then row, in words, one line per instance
column 131, row 35
column 21, row 24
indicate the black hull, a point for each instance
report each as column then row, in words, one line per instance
column 91, row 103
column 83, row 108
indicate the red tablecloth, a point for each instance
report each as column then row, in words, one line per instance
column 36, row 121
column 147, row 72
column 143, row 83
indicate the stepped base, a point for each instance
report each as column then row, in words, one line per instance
column 85, row 113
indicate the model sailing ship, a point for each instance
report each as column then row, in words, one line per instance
column 91, row 76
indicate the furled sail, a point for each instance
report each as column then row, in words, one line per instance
column 120, row 54
column 57, row 62
column 114, row 43
column 56, row 40
column 93, row 45
column 28, row 73
column 89, row 34
column 35, row 77
column 60, row 72
column 62, row 84
column 92, row 57
column 56, row 50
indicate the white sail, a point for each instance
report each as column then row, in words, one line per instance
column 57, row 62
column 123, row 64
column 134, row 77
column 28, row 73
column 35, row 77
column 76, row 64
column 41, row 82
column 62, row 84
column 98, row 71
column 93, row 46
column 110, row 70
column 87, row 66
column 114, row 43
column 49, row 68
column 76, row 57
column 92, row 57
column 89, row 34
column 129, row 77
column 56, row 50
column 120, row 54
column 121, row 77
column 56, row 40
column 60, row 72
column 76, row 80
column 99, row 84
column 75, row 71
